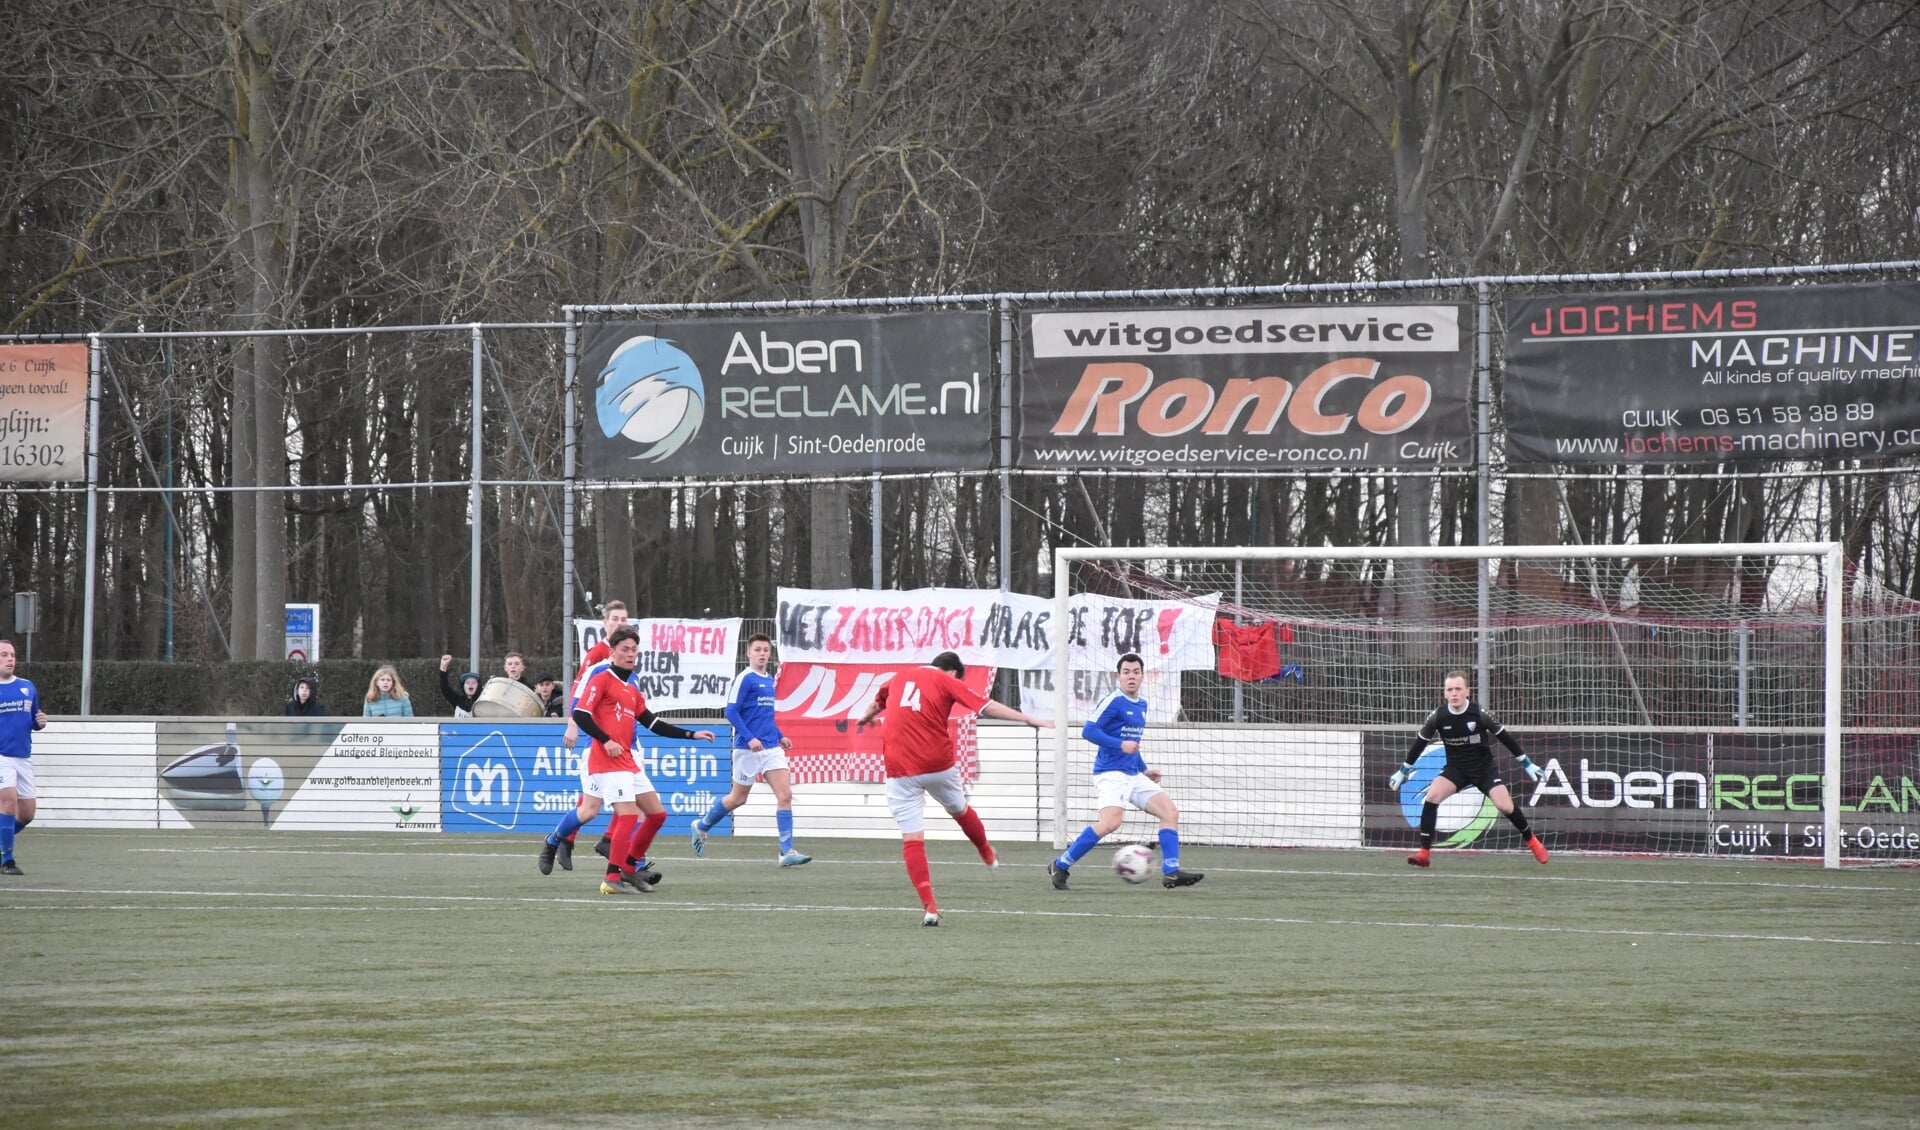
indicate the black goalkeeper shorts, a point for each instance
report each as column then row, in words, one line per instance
column 1476, row 774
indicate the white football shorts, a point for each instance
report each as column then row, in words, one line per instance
column 617, row 786
column 907, row 797
column 1117, row 790
column 16, row 773
column 749, row 764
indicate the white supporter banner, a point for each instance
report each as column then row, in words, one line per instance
column 1160, row 690
column 683, row 665
column 983, row 626
column 1167, row 635
column 886, row 627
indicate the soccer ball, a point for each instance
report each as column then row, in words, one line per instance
column 1133, row 863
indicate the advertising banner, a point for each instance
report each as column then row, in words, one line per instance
column 816, row 705
column 308, row 776
column 518, row 777
column 1160, row 689
column 1698, row 376
column 43, row 413
column 1720, row 793
column 792, row 396
column 683, row 664
column 1274, row 389
column 986, row 626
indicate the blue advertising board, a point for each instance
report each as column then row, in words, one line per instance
column 505, row 776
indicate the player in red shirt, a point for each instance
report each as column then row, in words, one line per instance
column 559, row 843
column 608, row 709
column 920, row 760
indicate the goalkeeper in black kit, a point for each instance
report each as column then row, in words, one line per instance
column 1467, row 732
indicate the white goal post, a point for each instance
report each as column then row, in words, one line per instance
column 1572, row 639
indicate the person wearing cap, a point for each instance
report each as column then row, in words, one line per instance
column 461, row 700
column 552, row 703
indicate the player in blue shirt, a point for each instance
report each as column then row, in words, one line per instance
column 1121, row 778
column 20, row 716
column 759, row 750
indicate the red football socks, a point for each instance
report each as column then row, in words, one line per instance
column 622, row 831
column 915, row 853
column 969, row 822
column 643, row 835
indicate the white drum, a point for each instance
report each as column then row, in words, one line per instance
column 507, row 698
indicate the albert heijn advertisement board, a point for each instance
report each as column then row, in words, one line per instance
column 820, row 395
column 1264, row 389
column 519, row 776
column 1720, row 793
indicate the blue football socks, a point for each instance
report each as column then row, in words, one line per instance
column 7, row 826
column 1081, row 845
column 569, row 824
column 1169, row 851
column 783, row 820
column 713, row 817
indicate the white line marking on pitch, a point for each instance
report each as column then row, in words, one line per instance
column 450, row 902
column 1292, row 872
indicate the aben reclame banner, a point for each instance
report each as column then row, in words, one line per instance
column 897, row 392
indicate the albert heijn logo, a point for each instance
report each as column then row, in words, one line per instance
column 485, row 782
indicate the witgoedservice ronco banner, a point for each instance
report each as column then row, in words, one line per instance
column 1269, row 389
column 896, row 392
column 1698, row 376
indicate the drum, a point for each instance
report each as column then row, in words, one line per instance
column 507, row 698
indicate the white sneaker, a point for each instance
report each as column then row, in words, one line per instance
column 699, row 843
column 794, row 859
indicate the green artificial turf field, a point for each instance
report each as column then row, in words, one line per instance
column 222, row 979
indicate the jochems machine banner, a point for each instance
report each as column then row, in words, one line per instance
column 1714, row 376
column 1268, row 389
column 896, row 392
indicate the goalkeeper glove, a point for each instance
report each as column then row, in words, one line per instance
column 1400, row 776
column 1534, row 772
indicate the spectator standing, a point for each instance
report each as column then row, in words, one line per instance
column 553, row 704
column 304, row 702
column 461, row 700
column 386, row 696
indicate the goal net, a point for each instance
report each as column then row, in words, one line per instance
column 1697, row 700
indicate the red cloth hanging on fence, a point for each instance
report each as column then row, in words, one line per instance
column 1249, row 651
